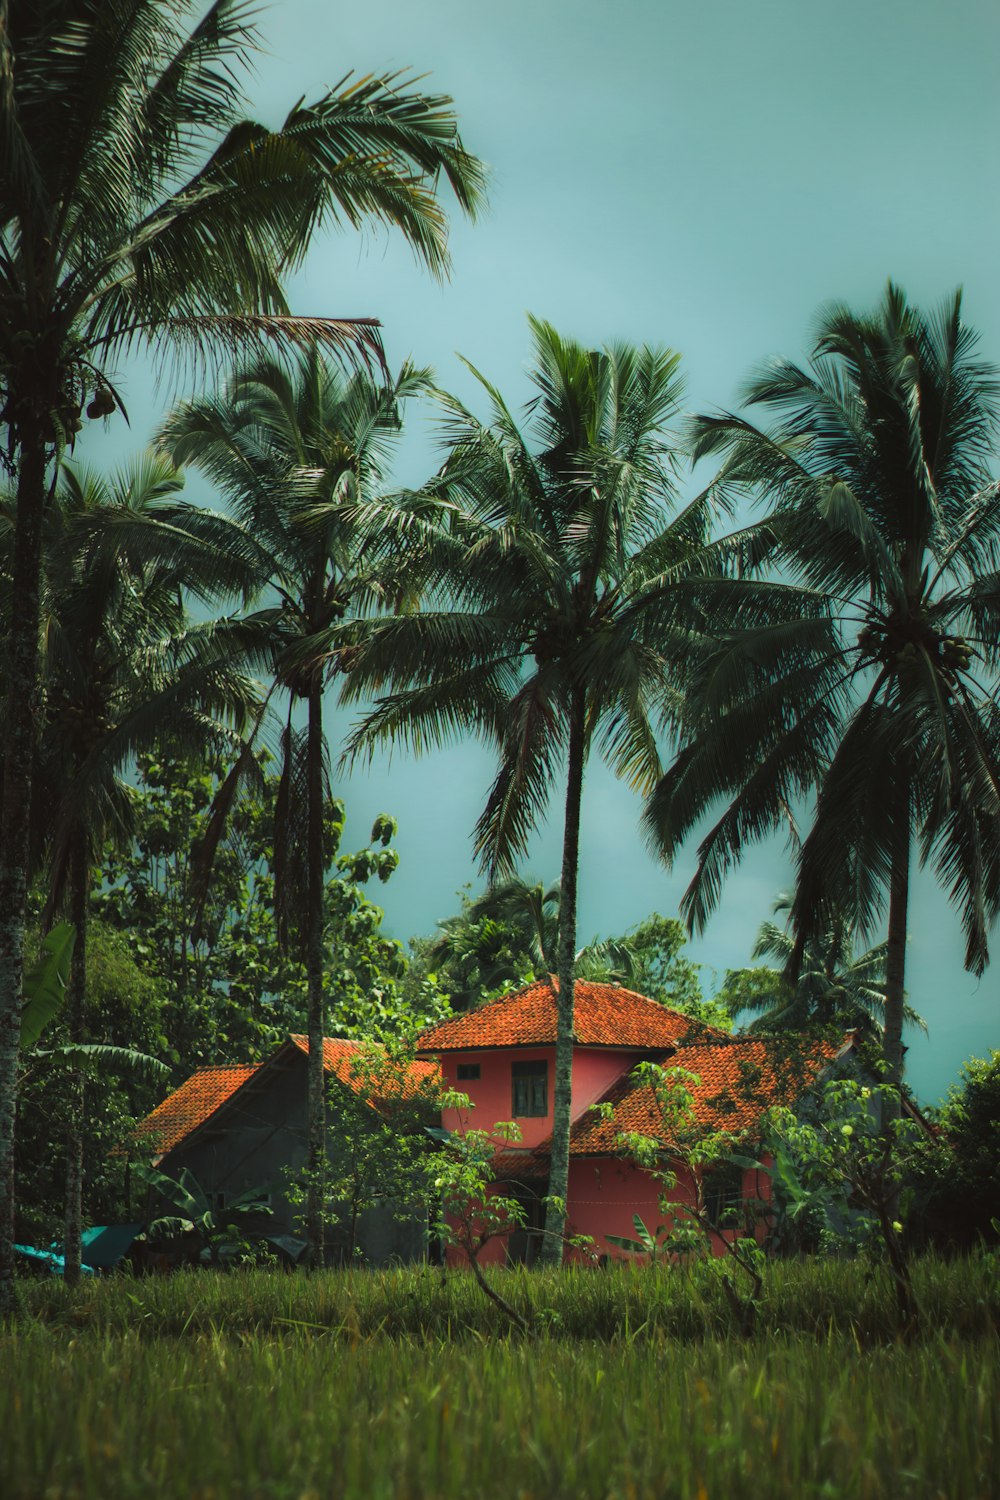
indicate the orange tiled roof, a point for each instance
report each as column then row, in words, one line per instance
column 738, row 1080
column 205, row 1091
column 345, row 1059
column 189, row 1106
column 605, row 1015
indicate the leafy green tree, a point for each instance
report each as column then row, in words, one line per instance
column 294, row 452
column 138, row 207
column 552, row 551
column 958, row 1182
column 470, row 1212
column 504, row 936
column 531, row 909
column 852, row 1160
column 864, row 678
column 378, row 1141
column 688, row 1155
column 234, row 992
column 469, row 960
column 648, row 959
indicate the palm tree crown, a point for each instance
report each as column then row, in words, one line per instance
column 866, row 676
column 836, row 985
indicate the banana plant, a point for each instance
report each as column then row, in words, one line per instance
column 45, row 983
column 44, row 997
column 222, row 1229
column 645, row 1243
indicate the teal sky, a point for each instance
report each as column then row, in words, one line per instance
column 703, row 176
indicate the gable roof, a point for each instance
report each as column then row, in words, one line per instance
column 737, row 1081
column 190, row 1106
column 346, row 1060
column 605, row 1015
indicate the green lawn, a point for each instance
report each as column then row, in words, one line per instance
column 368, row 1386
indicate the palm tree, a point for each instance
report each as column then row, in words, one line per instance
column 137, row 206
column 866, row 677
column 122, row 666
column 509, row 931
column 531, row 908
column 554, row 559
column 295, row 452
column 836, row 985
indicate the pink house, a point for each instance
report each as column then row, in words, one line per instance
column 502, row 1056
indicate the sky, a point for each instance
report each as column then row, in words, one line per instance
column 702, row 176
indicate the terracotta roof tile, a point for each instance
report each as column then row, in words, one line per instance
column 738, row 1080
column 189, row 1106
column 605, row 1015
column 205, row 1091
column 346, row 1060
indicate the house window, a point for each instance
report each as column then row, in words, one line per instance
column 530, row 1091
column 723, row 1191
column 467, row 1072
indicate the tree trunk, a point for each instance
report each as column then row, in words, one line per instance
column 76, row 997
column 316, row 1105
column 18, row 745
column 895, row 962
column 558, row 1190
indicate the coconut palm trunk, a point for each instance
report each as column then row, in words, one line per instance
column 76, row 998
column 316, row 1096
column 895, row 967
column 19, row 732
column 558, row 1190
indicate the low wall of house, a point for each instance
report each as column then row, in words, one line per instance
column 604, row 1195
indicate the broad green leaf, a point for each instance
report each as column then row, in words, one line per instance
column 45, row 983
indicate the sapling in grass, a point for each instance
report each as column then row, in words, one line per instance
column 851, row 1162
column 685, row 1153
column 471, row 1213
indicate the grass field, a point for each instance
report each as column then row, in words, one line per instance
column 406, row 1384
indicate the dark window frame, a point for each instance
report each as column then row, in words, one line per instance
column 468, row 1072
column 529, row 1090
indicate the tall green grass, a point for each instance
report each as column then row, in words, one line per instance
column 812, row 1297
column 632, row 1386
column 104, row 1416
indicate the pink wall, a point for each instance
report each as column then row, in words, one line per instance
column 594, row 1071
column 490, row 1094
column 604, row 1193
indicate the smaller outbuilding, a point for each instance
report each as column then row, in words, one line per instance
column 243, row 1129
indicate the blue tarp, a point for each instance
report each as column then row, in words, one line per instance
column 49, row 1259
column 105, row 1244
